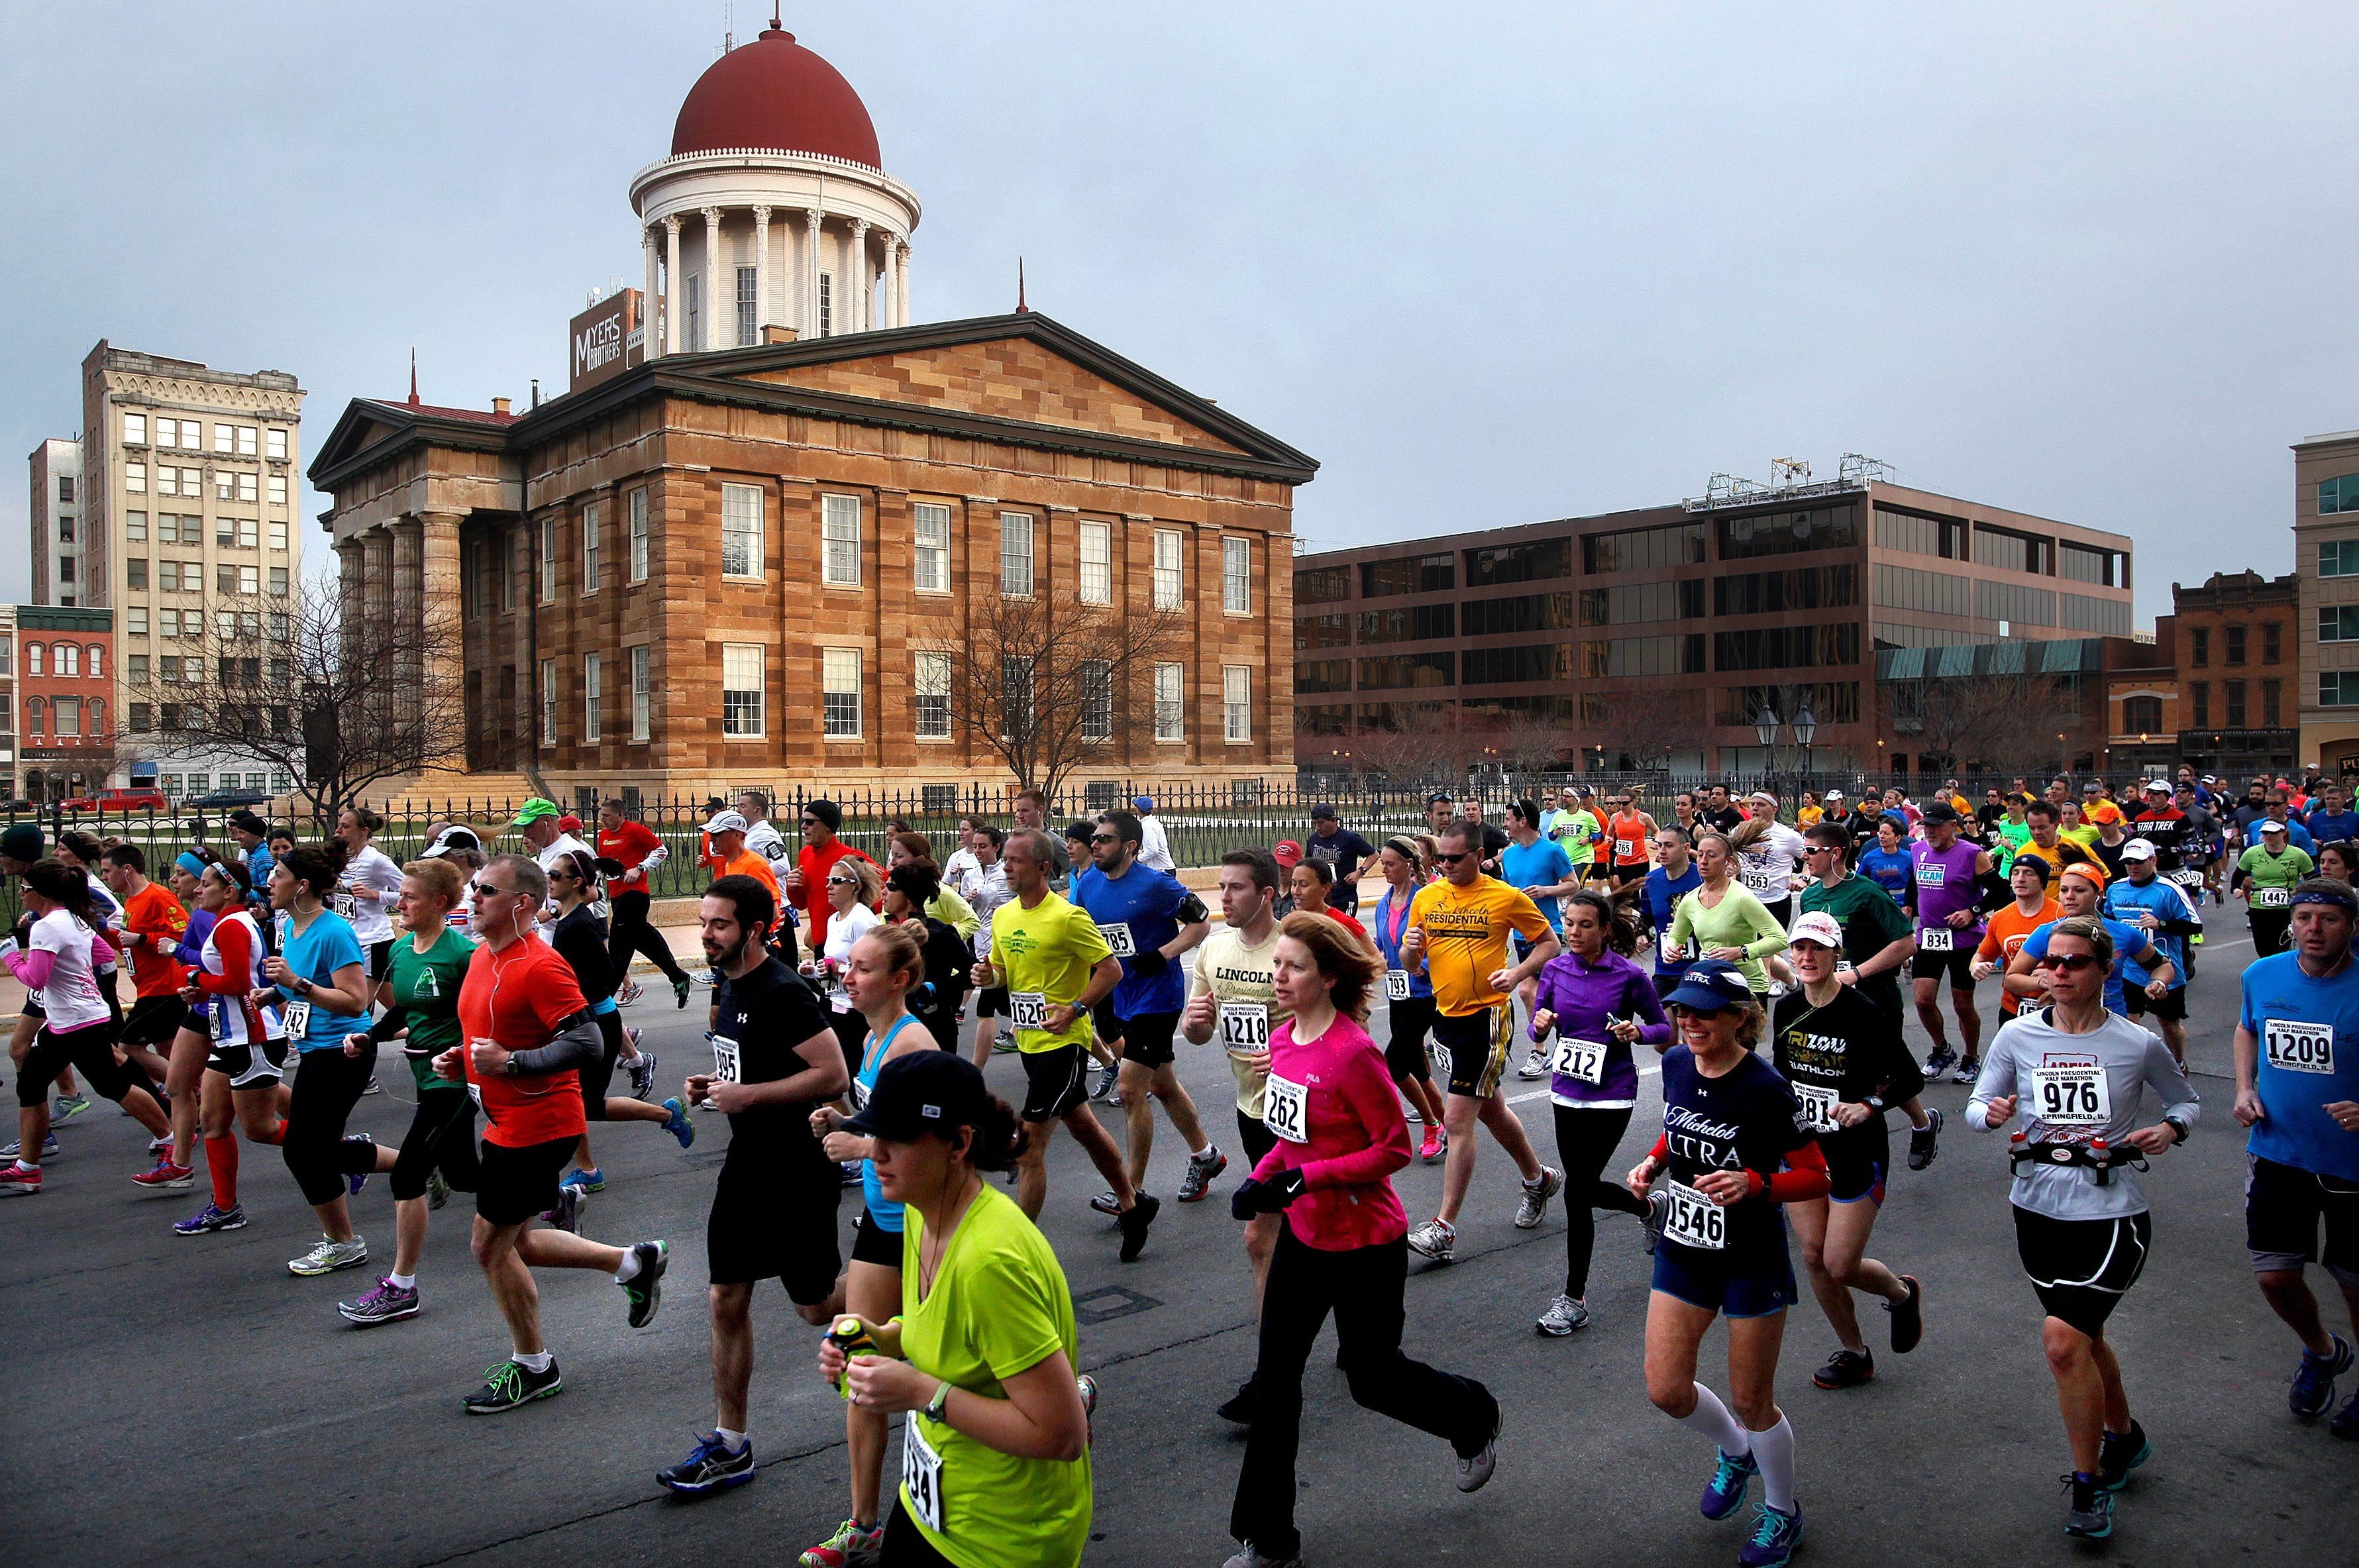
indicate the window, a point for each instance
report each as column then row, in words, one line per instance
column 65, row 530
column 278, row 582
column 245, row 535
column 97, row 661
column 548, row 702
column 224, row 485
column 143, row 717
column 278, row 535
column 135, row 429
column 695, row 293
column 1526, row 613
column 2011, row 601
column 34, row 652
column 33, row 710
column 224, row 578
column 1328, row 631
column 98, row 717
column 200, row 782
column 1168, row 580
column 590, row 694
column 1236, row 703
column 278, row 625
column 1097, row 700
column 1097, row 563
column 2235, row 645
column 7, row 656
column 281, row 783
column 1236, row 577
column 1780, row 533
column 839, row 527
column 1514, row 564
column 933, row 696
column 2272, row 643
column 547, row 560
column 275, row 444
column 2199, row 646
column 1015, row 555
column 2338, row 495
column 2011, row 551
column 2336, row 689
column 2235, row 715
column 590, row 521
column 69, row 659
column 741, row 531
column 167, row 623
column 2083, row 564
column 744, row 307
column 137, row 672
column 1170, row 703
column 1778, row 647
column 225, row 439
column 2338, row 623
column 135, row 572
column 1674, row 655
column 639, row 692
column 2101, row 617
column 638, row 505
column 1414, row 622
column 167, row 432
column 134, row 526
column 933, row 528
column 1409, row 574
column 1778, row 593
column 135, row 478
column 2272, row 702
column 246, row 440
column 839, row 692
column 65, row 568
column 827, row 304
column 68, row 716
column 1635, row 550
column 1633, row 603
column 246, row 491
column 1325, row 585
column 741, row 671
column 249, row 580
column 1921, row 535
column 1316, row 676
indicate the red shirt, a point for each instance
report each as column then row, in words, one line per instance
column 153, row 912
column 517, row 997
column 1355, row 1138
column 813, row 864
column 630, row 843
column 1355, row 928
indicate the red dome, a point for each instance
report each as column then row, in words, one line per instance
column 774, row 93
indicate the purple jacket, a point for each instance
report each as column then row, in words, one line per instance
column 1584, row 998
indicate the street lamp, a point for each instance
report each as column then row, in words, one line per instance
column 1806, row 729
column 1764, row 727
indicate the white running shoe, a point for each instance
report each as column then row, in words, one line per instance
column 1536, row 1194
column 1435, row 1240
column 1563, row 1316
column 1535, row 1065
column 329, row 1256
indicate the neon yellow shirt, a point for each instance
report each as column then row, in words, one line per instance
column 1047, row 951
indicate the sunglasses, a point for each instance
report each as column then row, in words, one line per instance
column 1103, row 838
column 1445, row 858
column 810, row 822
column 2071, row 963
column 485, row 891
column 843, row 881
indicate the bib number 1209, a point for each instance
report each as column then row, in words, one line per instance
column 2299, row 1047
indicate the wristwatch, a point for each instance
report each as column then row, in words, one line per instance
column 2175, row 1125
column 941, row 1399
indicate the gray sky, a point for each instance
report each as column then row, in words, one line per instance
column 1489, row 265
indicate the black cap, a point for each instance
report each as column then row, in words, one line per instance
column 1321, row 809
column 242, row 817
column 1940, row 812
column 926, row 1091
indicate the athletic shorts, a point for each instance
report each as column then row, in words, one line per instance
column 1854, row 1171
column 871, row 1242
column 1959, row 961
column 380, row 959
column 198, row 1021
column 154, row 1021
column 597, row 1076
column 1625, row 874
column 2285, row 1204
column 514, row 1184
column 2170, row 1007
column 1055, row 1081
column 247, row 1068
column 1412, row 1020
column 1256, row 1138
column 1146, row 1038
column 2080, row 1269
column 33, row 1010
column 1477, row 1047
column 1106, row 1022
column 762, row 1228
column 1714, row 1281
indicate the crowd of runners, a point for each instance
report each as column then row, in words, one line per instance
column 1749, row 952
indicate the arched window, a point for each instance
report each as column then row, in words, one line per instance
column 97, row 715
column 69, row 659
column 34, row 713
column 98, row 661
column 33, row 658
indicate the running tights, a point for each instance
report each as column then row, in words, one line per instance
column 1585, row 1141
column 328, row 1085
column 89, row 1047
column 442, row 1133
column 633, row 933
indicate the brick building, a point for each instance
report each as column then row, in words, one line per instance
column 65, row 689
column 2238, row 668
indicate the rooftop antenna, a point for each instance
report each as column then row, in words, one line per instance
column 728, row 25
column 1021, row 308
column 413, row 377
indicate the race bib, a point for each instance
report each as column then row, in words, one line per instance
column 2026, row 1006
column 922, row 1473
column 347, row 906
column 1758, row 880
column 1671, row 951
column 1581, row 1059
column 1286, row 1110
column 859, row 1096
column 2185, row 877
column 728, row 1061
column 1935, row 939
column 1028, row 1009
column 1118, row 940
column 2299, row 1047
column 1818, row 1113
column 1397, row 985
column 1244, row 1027
column 216, row 1017
column 299, row 1019
column 2066, row 1092
column 2272, row 898
column 1625, row 849
column 1695, row 1220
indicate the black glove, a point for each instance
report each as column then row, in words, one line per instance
column 1149, row 963
column 1269, row 1197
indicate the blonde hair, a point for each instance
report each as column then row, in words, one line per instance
column 872, row 881
column 440, row 878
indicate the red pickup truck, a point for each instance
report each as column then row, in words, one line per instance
column 122, row 800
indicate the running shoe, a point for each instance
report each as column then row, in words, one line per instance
column 567, row 1215
column 709, row 979
column 2314, row 1380
column 369, row 1085
column 1563, row 1316
column 853, row 1545
column 1969, row 1069
column 14, row 1147
column 161, row 1143
column 2346, row 1419
column 1924, row 1145
column 438, row 1188
column 19, row 1180
column 2089, row 1511
column 65, row 1108
column 358, row 1179
column 1535, row 1065
column 629, row 993
column 167, row 1177
column 1003, row 1042
column 644, row 1290
column 643, row 1074
column 1249, row 1558
column 1941, row 1062
column 1908, row 1317
column 679, row 990
column 1437, row 1144
column 511, row 1384
column 1724, row 1493
column 1414, row 1117
column 1203, row 1170
column 329, row 1256
column 709, row 1466
column 1106, row 1203
column 211, row 1218
column 1845, row 1369
column 1107, row 1073
column 1238, row 1408
column 852, row 1176
column 591, row 1181
column 1537, row 1194
column 384, row 1304
column 1474, row 1470
column 680, row 1126
column 1435, row 1240
column 1775, row 1536
column 2119, row 1452
column 1134, row 1221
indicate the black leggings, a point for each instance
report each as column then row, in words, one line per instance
column 1585, row 1141
column 442, row 1133
column 906, row 1545
column 597, row 1075
column 89, row 1049
column 1363, row 1287
column 632, row 933
column 328, row 1085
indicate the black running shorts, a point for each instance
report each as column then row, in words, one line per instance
column 1146, row 1038
column 2284, row 1208
column 2081, row 1268
column 1477, row 1047
column 512, row 1185
column 1055, row 1081
column 764, row 1225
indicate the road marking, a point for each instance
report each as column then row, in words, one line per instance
column 1655, row 1072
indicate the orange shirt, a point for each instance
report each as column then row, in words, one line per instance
column 750, row 863
column 1466, row 938
column 1626, row 839
column 2004, row 935
column 153, row 911
column 517, row 997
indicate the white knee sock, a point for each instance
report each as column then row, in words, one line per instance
column 1711, row 1418
column 1773, row 1452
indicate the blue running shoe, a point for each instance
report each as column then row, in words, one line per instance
column 591, row 1181
column 210, row 1218
column 1775, row 1536
column 708, row 1467
column 13, row 1146
column 2314, row 1380
column 680, row 1126
column 359, row 1180
column 1724, row 1493
column 2089, row 1513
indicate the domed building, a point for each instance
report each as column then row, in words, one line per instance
column 775, row 534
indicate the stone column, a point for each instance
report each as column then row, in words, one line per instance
column 442, row 674
column 810, row 273
column 649, row 347
column 672, row 286
column 855, row 265
column 890, row 316
column 408, row 620
column 761, row 272
column 901, row 286
column 352, row 594
column 709, row 307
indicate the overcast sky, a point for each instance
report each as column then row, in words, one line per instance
column 1489, row 265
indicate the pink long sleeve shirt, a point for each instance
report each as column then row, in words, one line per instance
column 1356, row 1138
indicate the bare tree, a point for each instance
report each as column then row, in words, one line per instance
column 1052, row 685
column 1648, row 726
column 1529, row 746
column 1423, row 746
column 1994, row 721
column 339, row 704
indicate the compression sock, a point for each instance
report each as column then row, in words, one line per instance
column 402, row 1282
column 1711, row 1418
column 537, row 1362
column 731, row 1441
column 220, row 1159
column 1773, row 1452
column 630, row 1266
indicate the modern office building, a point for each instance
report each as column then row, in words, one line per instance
column 1662, row 637
column 2326, row 572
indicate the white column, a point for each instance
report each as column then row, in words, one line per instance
column 761, row 272
column 856, row 265
column 709, row 307
column 888, row 314
column 811, row 272
column 672, row 286
column 649, row 347
column 901, row 288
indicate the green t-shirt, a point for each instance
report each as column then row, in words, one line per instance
column 999, row 1306
column 1871, row 922
column 1579, row 832
column 2266, row 870
column 2012, row 837
column 426, row 988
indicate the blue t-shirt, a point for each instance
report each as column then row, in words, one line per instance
column 2125, row 901
column 2326, row 826
column 2126, row 939
column 2296, row 834
column 1742, row 1120
column 1137, row 912
column 1890, row 871
column 316, row 953
column 1387, row 925
column 1661, row 893
column 1539, row 863
column 2300, row 1072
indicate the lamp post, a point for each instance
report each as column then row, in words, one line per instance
column 1803, row 731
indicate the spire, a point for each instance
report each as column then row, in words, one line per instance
column 413, row 378
column 1021, row 308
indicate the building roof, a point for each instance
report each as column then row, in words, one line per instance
column 402, row 406
column 773, row 94
column 63, row 618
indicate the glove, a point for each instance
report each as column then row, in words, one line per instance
column 1269, row 1197
column 1149, row 963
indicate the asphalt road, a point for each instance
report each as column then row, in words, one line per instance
column 189, row 1402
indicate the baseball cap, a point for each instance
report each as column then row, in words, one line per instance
column 1143, row 802
column 1834, row 795
column 535, row 810
column 449, row 839
column 568, row 823
column 1286, row 852
column 2138, row 849
column 1321, row 809
column 1710, row 986
column 1816, row 926
column 2151, row 784
column 2270, row 824
column 926, row 1091
column 2093, row 787
column 726, row 822
column 1939, row 811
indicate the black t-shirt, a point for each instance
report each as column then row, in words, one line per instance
column 758, row 1020
column 1727, row 820
column 1851, row 1047
column 580, row 939
column 1343, row 851
column 948, row 963
column 1743, row 1119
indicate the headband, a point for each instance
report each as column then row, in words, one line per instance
column 2344, row 901
column 192, row 865
column 1406, row 847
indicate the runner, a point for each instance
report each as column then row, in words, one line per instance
column 2297, row 1051
column 1733, row 1153
column 635, row 851
column 1945, row 895
column 1339, row 1137
column 1887, row 863
column 986, row 890
column 1458, row 930
column 806, row 884
column 2332, row 818
column 2008, row 930
column 149, row 930
column 2079, row 1075
column 1343, row 852
column 1628, row 831
column 368, row 887
column 1314, row 890
column 526, row 1029
column 1540, row 870
column 1150, row 921
column 1844, row 1057
column 230, row 1012
column 2049, row 843
column 1155, row 852
column 910, row 890
column 1408, row 997
column 1724, row 920
column 2159, row 910
column 1659, row 896
column 323, row 989
column 2267, row 874
column 1577, row 832
column 2203, row 842
column 1769, row 854
column 1596, row 1004
column 1055, row 965
column 853, row 888
column 1720, row 814
column 2082, row 892
column 1879, row 940
column 762, row 834
column 192, row 1039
